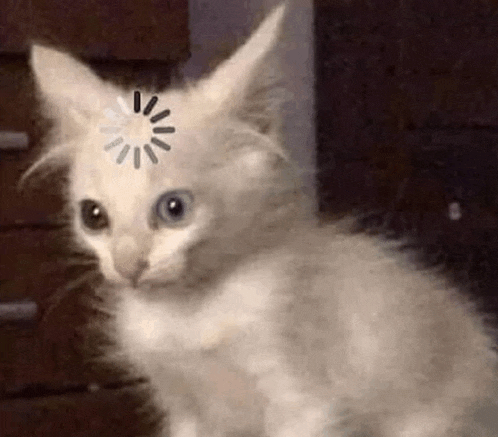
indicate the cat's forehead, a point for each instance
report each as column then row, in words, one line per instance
column 103, row 174
column 137, row 164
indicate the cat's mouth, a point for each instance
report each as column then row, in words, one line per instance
column 177, row 294
column 148, row 286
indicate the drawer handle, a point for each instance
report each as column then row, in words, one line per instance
column 18, row 312
column 10, row 140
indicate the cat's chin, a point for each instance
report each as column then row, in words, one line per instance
column 149, row 287
column 117, row 283
column 141, row 285
column 153, row 286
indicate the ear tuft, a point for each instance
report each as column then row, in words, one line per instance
column 63, row 80
column 257, row 162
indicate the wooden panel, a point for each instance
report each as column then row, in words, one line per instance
column 126, row 29
column 17, row 113
column 36, row 204
column 106, row 413
column 36, row 266
column 396, row 68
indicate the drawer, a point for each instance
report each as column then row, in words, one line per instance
column 99, row 28
column 36, row 266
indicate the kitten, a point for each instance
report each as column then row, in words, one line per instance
column 247, row 317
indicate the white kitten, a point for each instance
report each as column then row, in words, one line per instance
column 247, row 319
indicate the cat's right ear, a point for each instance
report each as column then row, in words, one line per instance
column 227, row 88
column 65, row 83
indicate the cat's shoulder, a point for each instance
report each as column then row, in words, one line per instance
column 340, row 250
column 342, row 237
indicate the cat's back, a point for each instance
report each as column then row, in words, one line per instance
column 380, row 320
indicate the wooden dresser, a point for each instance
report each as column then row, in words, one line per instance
column 47, row 385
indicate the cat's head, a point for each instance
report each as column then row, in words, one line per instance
column 225, row 187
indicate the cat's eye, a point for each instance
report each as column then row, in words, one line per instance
column 93, row 215
column 174, row 207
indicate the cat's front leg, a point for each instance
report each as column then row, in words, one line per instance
column 182, row 421
column 292, row 413
column 182, row 425
column 295, row 421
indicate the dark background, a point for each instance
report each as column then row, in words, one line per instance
column 407, row 110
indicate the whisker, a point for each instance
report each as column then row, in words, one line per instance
column 101, row 306
column 58, row 296
column 79, row 254
column 83, row 262
column 72, row 262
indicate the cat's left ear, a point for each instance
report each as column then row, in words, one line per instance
column 227, row 88
column 66, row 84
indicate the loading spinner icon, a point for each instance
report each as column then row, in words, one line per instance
column 124, row 118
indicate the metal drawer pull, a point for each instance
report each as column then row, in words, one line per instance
column 21, row 311
column 10, row 140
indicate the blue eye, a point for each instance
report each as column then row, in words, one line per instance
column 174, row 207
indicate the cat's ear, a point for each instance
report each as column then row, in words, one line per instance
column 267, row 177
column 263, row 162
column 228, row 87
column 65, row 83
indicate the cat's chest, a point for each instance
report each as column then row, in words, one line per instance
column 238, row 315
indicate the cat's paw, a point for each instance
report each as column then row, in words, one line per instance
column 186, row 427
column 308, row 422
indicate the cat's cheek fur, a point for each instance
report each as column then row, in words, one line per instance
column 106, row 263
column 98, row 245
column 168, row 258
column 166, row 269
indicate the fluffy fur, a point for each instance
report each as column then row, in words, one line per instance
column 249, row 319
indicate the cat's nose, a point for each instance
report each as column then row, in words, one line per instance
column 129, row 259
column 131, row 269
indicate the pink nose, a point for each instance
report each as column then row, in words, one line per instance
column 131, row 269
column 129, row 258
